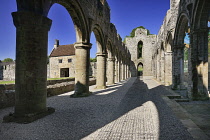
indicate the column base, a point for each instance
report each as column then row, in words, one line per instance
column 76, row 95
column 101, row 87
column 110, row 83
column 27, row 118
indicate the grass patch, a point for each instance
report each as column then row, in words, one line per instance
column 7, row 82
column 60, row 78
column 12, row 82
column 140, row 69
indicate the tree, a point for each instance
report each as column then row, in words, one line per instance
column 8, row 60
column 132, row 34
column 93, row 60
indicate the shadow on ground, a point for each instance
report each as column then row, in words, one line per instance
column 77, row 118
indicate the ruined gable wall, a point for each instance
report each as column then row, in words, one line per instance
column 149, row 42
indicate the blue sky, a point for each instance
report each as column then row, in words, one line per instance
column 125, row 14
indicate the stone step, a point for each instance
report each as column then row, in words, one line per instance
column 174, row 96
column 182, row 100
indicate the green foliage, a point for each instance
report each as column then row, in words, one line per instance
column 140, row 69
column 140, row 45
column 124, row 41
column 93, row 60
column 185, row 53
column 8, row 60
column 132, row 34
column 7, row 82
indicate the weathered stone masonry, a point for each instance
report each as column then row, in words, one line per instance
column 149, row 42
column 32, row 27
column 184, row 17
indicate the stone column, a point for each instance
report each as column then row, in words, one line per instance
column 119, row 70
column 110, row 72
column 123, row 72
column 101, row 71
column 116, row 72
column 168, row 68
column 82, row 64
column 126, row 71
column 162, row 70
column 31, row 67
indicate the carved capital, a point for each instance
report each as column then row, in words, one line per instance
column 31, row 21
column 111, row 59
column 80, row 45
column 101, row 54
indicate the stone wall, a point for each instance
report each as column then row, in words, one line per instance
column 93, row 67
column 149, row 42
column 7, row 92
column 55, row 66
column 7, row 71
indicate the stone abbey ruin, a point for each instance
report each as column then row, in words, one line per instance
column 165, row 56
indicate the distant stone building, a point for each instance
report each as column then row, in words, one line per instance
column 141, row 47
column 61, row 61
column 7, row 71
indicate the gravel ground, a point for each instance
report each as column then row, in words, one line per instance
column 131, row 109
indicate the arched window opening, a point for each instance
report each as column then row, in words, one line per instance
column 62, row 37
column 186, row 55
column 186, row 51
column 139, row 49
column 140, row 69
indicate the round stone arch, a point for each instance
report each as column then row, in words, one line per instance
column 100, row 41
column 181, row 79
column 77, row 16
column 33, row 25
column 169, row 42
column 110, row 49
column 168, row 59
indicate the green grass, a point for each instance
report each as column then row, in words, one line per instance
column 12, row 82
column 59, row 78
column 140, row 69
column 7, row 82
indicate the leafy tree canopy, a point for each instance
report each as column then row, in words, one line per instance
column 93, row 60
column 132, row 34
column 8, row 60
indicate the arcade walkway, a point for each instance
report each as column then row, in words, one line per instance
column 131, row 110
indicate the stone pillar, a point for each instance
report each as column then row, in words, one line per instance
column 126, row 70
column 31, row 67
column 119, row 70
column 122, row 71
column 116, row 72
column 101, row 71
column 168, row 68
column 82, row 64
column 199, row 45
column 162, row 70
column 110, row 72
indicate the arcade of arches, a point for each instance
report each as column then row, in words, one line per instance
column 166, row 56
